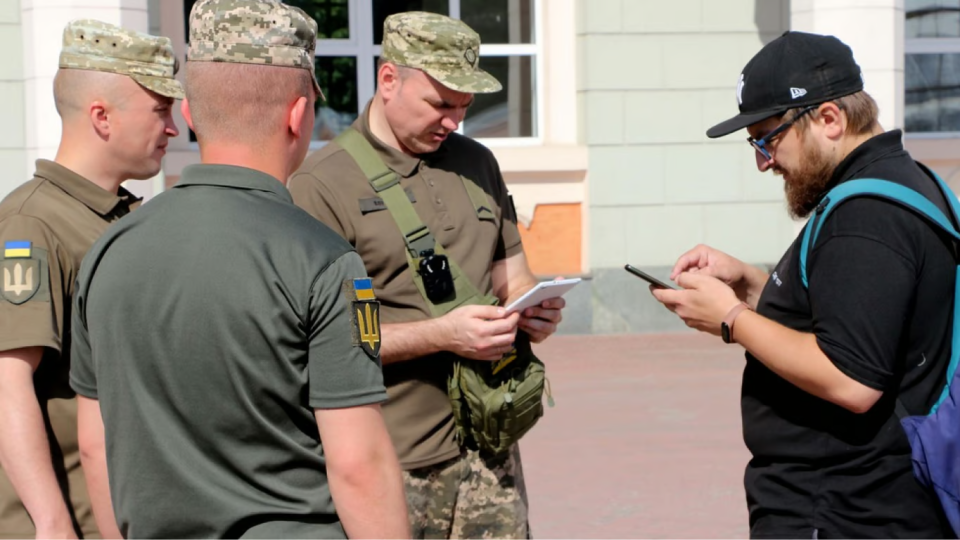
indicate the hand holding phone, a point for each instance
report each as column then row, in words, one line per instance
column 648, row 278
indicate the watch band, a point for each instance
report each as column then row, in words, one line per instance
column 731, row 317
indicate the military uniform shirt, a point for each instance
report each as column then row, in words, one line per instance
column 210, row 324
column 46, row 227
column 332, row 188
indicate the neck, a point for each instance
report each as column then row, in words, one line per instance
column 850, row 144
column 240, row 155
column 89, row 164
column 381, row 128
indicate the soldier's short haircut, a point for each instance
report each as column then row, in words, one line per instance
column 242, row 102
column 74, row 88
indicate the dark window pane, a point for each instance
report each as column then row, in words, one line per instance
column 932, row 92
column 337, row 76
column 384, row 8
column 932, row 18
column 332, row 16
column 500, row 21
column 511, row 111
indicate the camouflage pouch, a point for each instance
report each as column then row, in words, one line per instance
column 496, row 403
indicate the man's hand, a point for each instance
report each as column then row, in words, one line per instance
column 480, row 332
column 702, row 303
column 745, row 280
column 541, row 322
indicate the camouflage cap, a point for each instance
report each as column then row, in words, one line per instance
column 446, row 49
column 253, row 32
column 99, row 46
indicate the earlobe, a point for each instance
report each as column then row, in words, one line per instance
column 185, row 111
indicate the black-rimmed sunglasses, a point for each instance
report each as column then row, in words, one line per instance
column 760, row 145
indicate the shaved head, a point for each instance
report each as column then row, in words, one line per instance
column 75, row 89
column 243, row 102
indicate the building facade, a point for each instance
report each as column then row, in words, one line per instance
column 599, row 129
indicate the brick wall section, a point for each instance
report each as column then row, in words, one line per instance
column 552, row 243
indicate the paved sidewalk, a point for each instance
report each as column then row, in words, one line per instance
column 644, row 440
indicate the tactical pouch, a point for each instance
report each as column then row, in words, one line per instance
column 496, row 410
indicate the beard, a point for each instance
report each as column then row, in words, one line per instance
column 807, row 184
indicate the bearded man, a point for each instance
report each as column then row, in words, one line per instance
column 826, row 365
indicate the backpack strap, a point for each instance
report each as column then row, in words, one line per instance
column 920, row 205
column 882, row 189
column 416, row 236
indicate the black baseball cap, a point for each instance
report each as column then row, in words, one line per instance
column 795, row 70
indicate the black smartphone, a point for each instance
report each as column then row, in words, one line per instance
column 648, row 278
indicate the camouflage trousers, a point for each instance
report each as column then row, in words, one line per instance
column 470, row 496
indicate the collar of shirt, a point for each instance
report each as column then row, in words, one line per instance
column 403, row 164
column 231, row 176
column 871, row 150
column 93, row 196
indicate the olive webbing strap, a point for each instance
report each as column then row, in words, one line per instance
column 416, row 235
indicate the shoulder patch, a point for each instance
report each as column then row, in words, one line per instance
column 25, row 274
column 364, row 314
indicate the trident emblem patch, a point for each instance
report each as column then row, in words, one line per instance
column 21, row 279
column 364, row 314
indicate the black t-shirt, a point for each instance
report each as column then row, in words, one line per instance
column 881, row 283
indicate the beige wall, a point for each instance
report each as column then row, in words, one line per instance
column 13, row 143
column 654, row 76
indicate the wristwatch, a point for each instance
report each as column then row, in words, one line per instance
column 726, row 327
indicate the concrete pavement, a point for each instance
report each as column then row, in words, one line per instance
column 644, row 440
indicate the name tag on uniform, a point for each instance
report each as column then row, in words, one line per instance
column 375, row 204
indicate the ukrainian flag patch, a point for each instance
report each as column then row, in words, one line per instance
column 363, row 288
column 17, row 249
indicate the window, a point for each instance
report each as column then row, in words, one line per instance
column 932, row 67
column 348, row 45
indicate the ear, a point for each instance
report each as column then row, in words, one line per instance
column 832, row 120
column 185, row 111
column 388, row 79
column 100, row 119
column 296, row 117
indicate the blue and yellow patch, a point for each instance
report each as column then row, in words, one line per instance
column 363, row 288
column 17, row 249
column 364, row 314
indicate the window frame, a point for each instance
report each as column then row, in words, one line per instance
column 917, row 46
column 361, row 46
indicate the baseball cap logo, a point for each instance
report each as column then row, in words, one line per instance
column 740, row 86
column 797, row 92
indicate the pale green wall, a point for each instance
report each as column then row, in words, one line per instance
column 654, row 75
column 13, row 153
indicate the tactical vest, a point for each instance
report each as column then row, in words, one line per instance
column 494, row 403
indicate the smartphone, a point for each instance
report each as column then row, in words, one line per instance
column 648, row 278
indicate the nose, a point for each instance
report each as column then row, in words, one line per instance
column 171, row 128
column 451, row 122
column 763, row 164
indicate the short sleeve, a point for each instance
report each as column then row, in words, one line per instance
column 509, row 243
column 344, row 332
column 857, row 328
column 32, row 295
column 312, row 195
column 83, row 375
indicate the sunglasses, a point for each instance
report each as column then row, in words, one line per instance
column 760, row 145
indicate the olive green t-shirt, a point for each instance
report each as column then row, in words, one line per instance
column 46, row 227
column 210, row 324
column 330, row 186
